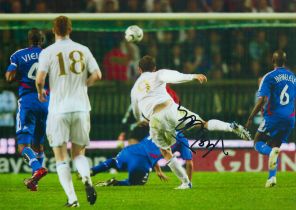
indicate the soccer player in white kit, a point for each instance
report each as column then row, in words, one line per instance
column 150, row 101
column 68, row 64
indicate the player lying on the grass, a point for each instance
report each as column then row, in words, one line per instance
column 139, row 160
column 150, row 101
column 31, row 114
column 71, row 68
column 277, row 97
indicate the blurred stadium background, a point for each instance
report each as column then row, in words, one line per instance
column 201, row 36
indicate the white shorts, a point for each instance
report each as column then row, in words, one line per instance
column 74, row 126
column 163, row 124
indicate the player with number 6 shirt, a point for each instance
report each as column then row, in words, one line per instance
column 277, row 97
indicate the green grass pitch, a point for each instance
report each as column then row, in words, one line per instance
column 210, row 191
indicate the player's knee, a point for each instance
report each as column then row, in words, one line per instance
column 20, row 148
column 204, row 124
column 258, row 145
column 24, row 138
column 77, row 150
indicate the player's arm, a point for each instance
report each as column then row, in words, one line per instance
column 189, row 168
column 10, row 75
column 185, row 153
column 263, row 94
column 42, row 71
column 126, row 120
column 159, row 173
column 175, row 77
column 11, row 69
column 94, row 77
column 40, row 82
column 135, row 107
column 93, row 69
column 258, row 106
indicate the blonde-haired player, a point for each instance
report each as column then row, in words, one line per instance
column 68, row 64
column 151, row 101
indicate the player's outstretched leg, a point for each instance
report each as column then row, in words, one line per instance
column 218, row 125
column 82, row 166
column 110, row 182
column 104, row 166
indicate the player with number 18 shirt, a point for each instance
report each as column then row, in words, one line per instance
column 71, row 69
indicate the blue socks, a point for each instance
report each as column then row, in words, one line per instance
column 30, row 157
column 40, row 157
column 104, row 166
column 273, row 172
column 265, row 149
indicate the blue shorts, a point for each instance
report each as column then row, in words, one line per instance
column 277, row 129
column 138, row 166
column 31, row 120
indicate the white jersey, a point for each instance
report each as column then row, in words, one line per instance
column 68, row 64
column 150, row 90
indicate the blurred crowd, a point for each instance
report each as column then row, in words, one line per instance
column 44, row 6
column 220, row 54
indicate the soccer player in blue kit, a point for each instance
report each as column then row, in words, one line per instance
column 139, row 159
column 31, row 114
column 277, row 93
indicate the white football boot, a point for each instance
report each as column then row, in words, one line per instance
column 241, row 131
column 184, row 186
column 271, row 182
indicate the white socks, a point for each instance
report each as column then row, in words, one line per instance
column 65, row 177
column 178, row 170
column 218, row 125
column 82, row 166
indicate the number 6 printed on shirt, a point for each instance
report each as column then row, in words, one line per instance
column 284, row 97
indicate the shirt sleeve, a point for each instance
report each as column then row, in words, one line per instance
column 44, row 61
column 91, row 62
column 135, row 107
column 13, row 63
column 174, row 77
column 264, row 88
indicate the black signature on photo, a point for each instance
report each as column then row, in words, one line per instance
column 202, row 140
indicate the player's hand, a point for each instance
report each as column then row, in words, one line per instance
column 121, row 136
column 42, row 96
column 162, row 176
column 201, row 78
column 249, row 123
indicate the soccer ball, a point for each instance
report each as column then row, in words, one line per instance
column 134, row 34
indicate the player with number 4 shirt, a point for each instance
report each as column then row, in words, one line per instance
column 276, row 95
column 31, row 115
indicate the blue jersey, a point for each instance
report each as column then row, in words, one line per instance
column 279, row 86
column 25, row 62
column 31, row 115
